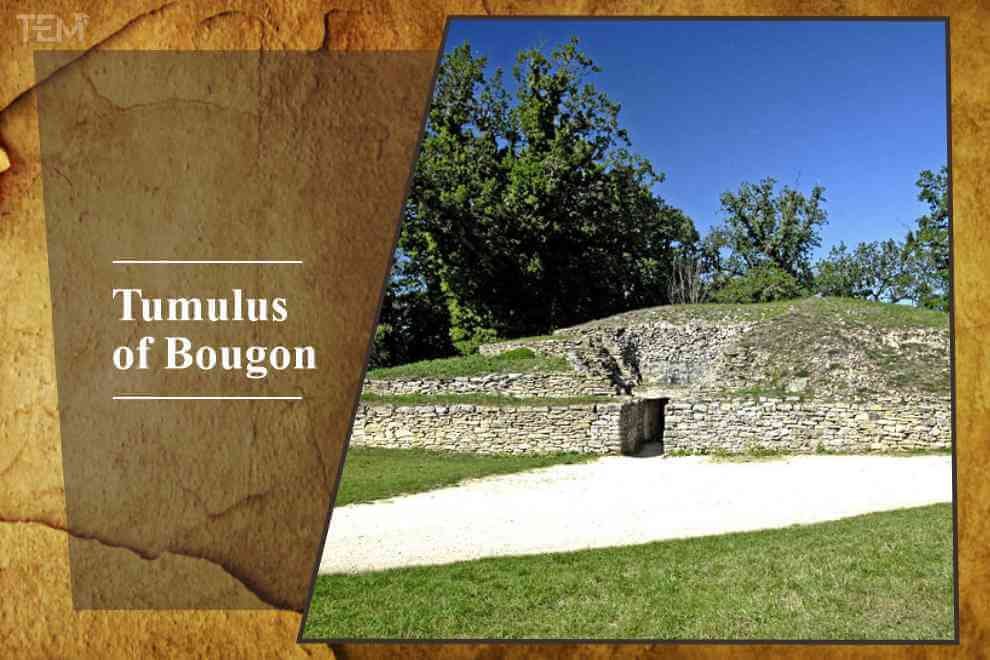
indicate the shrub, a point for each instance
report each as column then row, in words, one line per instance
column 764, row 283
column 518, row 354
column 470, row 344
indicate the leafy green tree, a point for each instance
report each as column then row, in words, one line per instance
column 916, row 270
column 840, row 274
column 929, row 242
column 879, row 270
column 529, row 211
column 765, row 228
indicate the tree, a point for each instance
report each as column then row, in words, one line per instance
column 529, row 211
column 916, row 270
column 687, row 284
column 766, row 228
column 879, row 270
column 929, row 242
column 412, row 325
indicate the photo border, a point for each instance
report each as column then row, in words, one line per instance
column 622, row 642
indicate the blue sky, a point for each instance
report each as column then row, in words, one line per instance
column 857, row 106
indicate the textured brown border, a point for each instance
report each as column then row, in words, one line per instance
column 34, row 617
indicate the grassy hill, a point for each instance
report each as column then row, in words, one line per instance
column 815, row 347
column 848, row 347
column 824, row 348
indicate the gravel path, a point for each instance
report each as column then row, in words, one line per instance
column 620, row 500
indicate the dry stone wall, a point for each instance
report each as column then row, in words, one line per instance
column 604, row 428
column 511, row 384
column 551, row 347
column 790, row 425
column 844, row 364
column 654, row 352
column 659, row 352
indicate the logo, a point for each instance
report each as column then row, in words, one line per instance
column 51, row 29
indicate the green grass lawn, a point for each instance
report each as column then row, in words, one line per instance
column 520, row 360
column 371, row 473
column 879, row 576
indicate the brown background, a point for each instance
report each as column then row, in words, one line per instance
column 36, row 616
column 216, row 155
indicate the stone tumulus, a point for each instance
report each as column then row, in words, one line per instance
column 808, row 378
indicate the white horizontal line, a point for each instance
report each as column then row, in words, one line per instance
column 207, row 261
column 147, row 397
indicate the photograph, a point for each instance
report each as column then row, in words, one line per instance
column 665, row 348
column 494, row 330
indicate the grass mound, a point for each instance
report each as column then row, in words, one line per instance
column 844, row 348
column 840, row 348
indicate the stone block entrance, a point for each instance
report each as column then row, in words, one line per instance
column 643, row 423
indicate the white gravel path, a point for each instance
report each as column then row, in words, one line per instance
column 620, row 500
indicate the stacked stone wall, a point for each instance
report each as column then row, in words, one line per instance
column 738, row 426
column 700, row 426
column 659, row 352
column 655, row 352
column 607, row 428
column 552, row 347
column 511, row 384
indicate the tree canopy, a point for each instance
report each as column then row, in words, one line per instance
column 929, row 242
column 528, row 210
column 879, row 271
column 767, row 228
column 915, row 269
